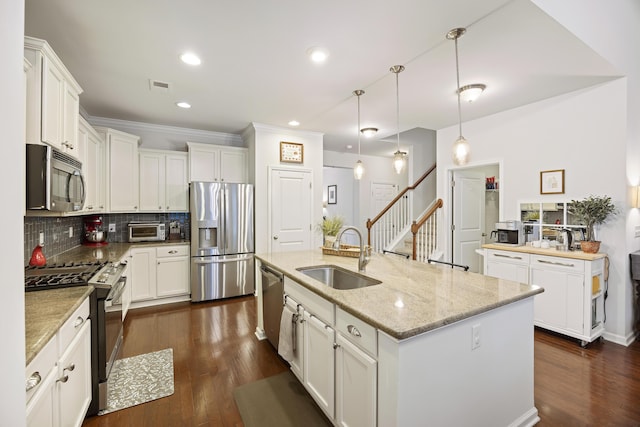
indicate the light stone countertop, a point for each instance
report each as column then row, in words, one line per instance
column 413, row 297
column 46, row 311
column 549, row 252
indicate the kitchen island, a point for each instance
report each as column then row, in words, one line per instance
column 450, row 347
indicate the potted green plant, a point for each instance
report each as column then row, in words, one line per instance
column 590, row 212
column 329, row 227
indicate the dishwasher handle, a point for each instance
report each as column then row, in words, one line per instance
column 272, row 275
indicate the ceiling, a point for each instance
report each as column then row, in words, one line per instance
column 255, row 67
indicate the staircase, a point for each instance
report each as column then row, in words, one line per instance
column 391, row 228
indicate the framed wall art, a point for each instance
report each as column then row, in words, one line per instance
column 332, row 194
column 291, row 152
column 552, row 182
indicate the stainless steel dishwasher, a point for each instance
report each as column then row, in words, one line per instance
column 272, row 303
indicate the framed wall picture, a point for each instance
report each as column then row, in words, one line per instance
column 552, row 182
column 332, row 194
column 291, row 152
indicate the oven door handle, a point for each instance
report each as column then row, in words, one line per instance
column 116, row 292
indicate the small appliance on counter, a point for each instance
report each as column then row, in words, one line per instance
column 94, row 232
column 510, row 233
column 149, row 231
column 175, row 230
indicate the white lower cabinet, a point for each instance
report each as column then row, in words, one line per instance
column 507, row 265
column 319, row 362
column 172, row 271
column 573, row 299
column 158, row 273
column 74, row 380
column 58, row 379
column 335, row 360
column 356, row 374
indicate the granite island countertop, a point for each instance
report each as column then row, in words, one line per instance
column 413, row 297
column 46, row 311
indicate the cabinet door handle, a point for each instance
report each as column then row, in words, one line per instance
column 70, row 367
column 555, row 263
column 507, row 256
column 63, row 379
column 336, row 345
column 168, row 207
column 159, row 208
column 33, row 380
column 79, row 321
column 354, row 331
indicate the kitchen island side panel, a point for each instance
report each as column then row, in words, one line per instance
column 437, row 379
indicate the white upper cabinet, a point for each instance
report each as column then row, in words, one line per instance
column 164, row 182
column 121, row 170
column 53, row 99
column 217, row 163
column 91, row 149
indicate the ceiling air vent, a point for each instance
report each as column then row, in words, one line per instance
column 158, row 86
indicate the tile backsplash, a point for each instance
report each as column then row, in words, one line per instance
column 56, row 230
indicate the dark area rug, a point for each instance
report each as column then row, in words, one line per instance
column 278, row 401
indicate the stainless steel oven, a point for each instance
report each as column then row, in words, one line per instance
column 110, row 283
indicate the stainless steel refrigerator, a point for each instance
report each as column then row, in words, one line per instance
column 222, row 242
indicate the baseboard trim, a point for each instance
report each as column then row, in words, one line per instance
column 259, row 333
column 528, row 419
column 620, row 339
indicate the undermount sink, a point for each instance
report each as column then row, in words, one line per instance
column 338, row 277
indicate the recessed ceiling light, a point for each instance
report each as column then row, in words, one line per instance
column 294, row 123
column 318, row 54
column 349, row 147
column 183, row 104
column 190, row 58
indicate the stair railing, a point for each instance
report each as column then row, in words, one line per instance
column 395, row 217
column 425, row 233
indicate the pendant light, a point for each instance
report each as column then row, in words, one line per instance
column 358, row 169
column 399, row 156
column 461, row 147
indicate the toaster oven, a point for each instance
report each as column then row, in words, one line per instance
column 146, row 231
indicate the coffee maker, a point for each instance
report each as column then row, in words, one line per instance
column 94, row 232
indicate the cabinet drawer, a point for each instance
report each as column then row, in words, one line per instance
column 40, row 367
column 72, row 326
column 568, row 265
column 311, row 302
column 355, row 330
column 507, row 256
column 169, row 251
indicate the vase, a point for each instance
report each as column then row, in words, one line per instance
column 590, row 247
column 328, row 241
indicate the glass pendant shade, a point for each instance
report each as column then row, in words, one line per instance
column 398, row 161
column 461, row 150
column 358, row 170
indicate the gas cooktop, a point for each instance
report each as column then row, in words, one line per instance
column 60, row 275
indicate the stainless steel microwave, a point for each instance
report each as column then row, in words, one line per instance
column 54, row 180
column 146, row 231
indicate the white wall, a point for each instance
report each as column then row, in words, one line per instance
column 12, row 119
column 264, row 148
column 377, row 170
column 583, row 132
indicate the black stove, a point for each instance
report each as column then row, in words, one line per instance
column 60, row 275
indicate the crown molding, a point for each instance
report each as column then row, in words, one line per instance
column 276, row 129
column 187, row 133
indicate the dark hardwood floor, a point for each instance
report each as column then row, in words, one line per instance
column 215, row 350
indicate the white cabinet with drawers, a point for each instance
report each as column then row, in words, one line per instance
column 159, row 274
column 58, row 379
column 338, row 358
column 573, row 299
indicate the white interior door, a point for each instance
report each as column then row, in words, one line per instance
column 291, row 210
column 468, row 218
column 381, row 195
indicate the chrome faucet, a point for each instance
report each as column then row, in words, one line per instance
column 363, row 259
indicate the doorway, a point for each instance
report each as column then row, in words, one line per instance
column 474, row 211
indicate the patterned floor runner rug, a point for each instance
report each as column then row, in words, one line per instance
column 140, row 379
